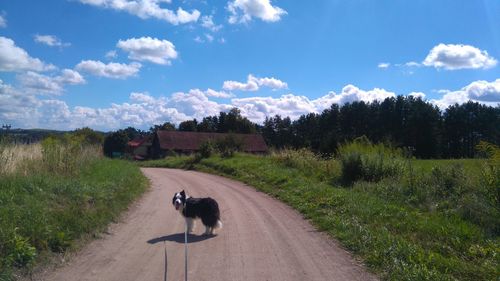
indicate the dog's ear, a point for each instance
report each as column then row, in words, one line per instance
column 183, row 193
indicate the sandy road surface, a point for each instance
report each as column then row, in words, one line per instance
column 262, row 239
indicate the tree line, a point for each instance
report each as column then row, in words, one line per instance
column 411, row 123
column 404, row 121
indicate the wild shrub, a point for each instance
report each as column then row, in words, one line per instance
column 206, row 149
column 363, row 160
column 308, row 163
column 228, row 145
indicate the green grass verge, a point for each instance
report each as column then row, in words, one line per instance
column 396, row 240
column 44, row 213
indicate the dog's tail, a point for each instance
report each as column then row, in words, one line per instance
column 218, row 224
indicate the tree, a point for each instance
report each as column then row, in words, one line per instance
column 188, row 126
column 115, row 143
column 208, row 124
column 233, row 122
column 87, row 136
column 167, row 126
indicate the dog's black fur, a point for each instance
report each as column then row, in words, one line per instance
column 206, row 209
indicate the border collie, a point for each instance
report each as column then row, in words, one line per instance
column 191, row 208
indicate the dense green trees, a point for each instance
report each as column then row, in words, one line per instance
column 404, row 121
column 115, row 143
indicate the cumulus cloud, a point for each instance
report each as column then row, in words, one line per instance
column 479, row 91
column 69, row 76
column 257, row 108
column 110, row 70
column 38, row 83
column 143, row 110
column 417, row 95
column 218, row 94
column 145, row 9
column 453, row 57
column 254, row 83
column 17, row 108
column 149, row 49
column 242, row 11
column 351, row 93
column 50, row 40
column 14, row 58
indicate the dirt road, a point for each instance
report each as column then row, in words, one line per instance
column 262, row 239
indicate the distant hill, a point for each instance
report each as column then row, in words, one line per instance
column 30, row 135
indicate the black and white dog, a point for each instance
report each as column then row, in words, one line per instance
column 191, row 208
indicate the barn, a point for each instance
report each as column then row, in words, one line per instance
column 139, row 148
column 189, row 142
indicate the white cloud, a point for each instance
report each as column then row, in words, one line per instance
column 243, row 11
column 218, row 94
column 3, row 21
column 257, row 108
column 39, row 83
column 69, row 76
column 149, row 49
column 351, row 93
column 50, row 40
column 254, row 83
column 14, row 58
column 208, row 23
column 111, row 55
column 383, row 65
column 142, row 110
column 17, row 108
column 110, row 70
column 453, row 57
column 417, row 95
column 478, row 91
column 36, row 83
column 145, row 9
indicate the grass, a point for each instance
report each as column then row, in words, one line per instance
column 383, row 222
column 53, row 195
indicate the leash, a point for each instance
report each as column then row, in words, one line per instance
column 185, row 245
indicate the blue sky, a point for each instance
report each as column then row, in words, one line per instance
column 109, row 64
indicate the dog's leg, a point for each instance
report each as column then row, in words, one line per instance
column 190, row 224
column 208, row 230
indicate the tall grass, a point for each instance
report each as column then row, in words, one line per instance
column 54, row 193
column 308, row 163
column 363, row 160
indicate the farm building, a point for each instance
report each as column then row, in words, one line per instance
column 189, row 142
column 139, row 148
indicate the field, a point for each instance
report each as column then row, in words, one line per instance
column 406, row 219
column 54, row 195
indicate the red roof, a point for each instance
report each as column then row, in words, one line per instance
column 137, row 142
column 176, row 140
